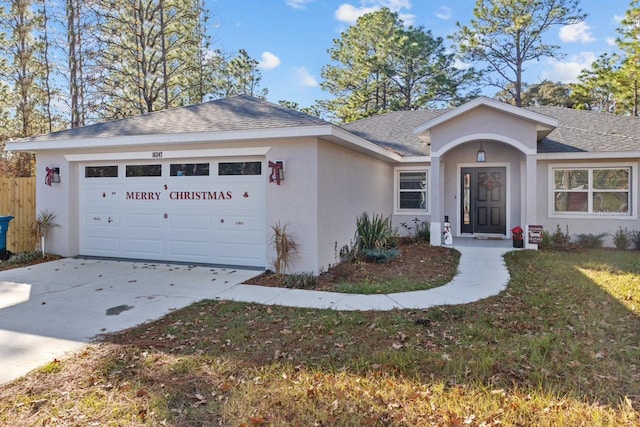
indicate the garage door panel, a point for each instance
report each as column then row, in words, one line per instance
column 189, row 248
column 144, row 247
column 101, row 194
column 143, row 221
column 107, row 246
column 241, row 223
column 186, row 222
column 104, row 220
column 241, row 254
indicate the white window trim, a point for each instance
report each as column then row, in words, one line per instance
column 633, row 211
column 396, row 191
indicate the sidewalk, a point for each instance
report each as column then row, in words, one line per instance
column 481, row 274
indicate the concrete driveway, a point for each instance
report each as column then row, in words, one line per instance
column 49, row 309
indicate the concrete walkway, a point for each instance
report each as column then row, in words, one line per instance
column 50, row 309
column 481, row 274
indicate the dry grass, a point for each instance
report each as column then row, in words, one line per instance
column 558, row 348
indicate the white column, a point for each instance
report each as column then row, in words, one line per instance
column 435, row 200
column 531, row 194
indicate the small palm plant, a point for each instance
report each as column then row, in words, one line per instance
column 43, row 226
column 285, row 247
column 373, row 232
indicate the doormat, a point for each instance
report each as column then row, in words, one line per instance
column 487, row 238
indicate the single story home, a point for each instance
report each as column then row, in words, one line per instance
column 206, row 183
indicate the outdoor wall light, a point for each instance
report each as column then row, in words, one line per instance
column 481, row 157
column 56, row 175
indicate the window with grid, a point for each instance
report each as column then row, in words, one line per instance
column 412, row 190
column 592, row 190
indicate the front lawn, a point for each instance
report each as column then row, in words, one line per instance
column 560, row 347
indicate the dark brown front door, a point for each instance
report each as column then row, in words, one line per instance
column 483, row 200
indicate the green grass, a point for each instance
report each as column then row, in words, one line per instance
column 559, row 347
column 391, row 286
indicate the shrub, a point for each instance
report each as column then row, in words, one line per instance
column 622, row 238
column 300, row 281
column 346, row 252
column 420, row 230
column 561, row 240
column 25, row 257
column 635, row 239
column 547, row 241
column 380, row 256
column 374, row 232
column 591, row 240
column 285, row 247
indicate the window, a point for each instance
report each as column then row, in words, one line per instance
column 189, row 169
column 101, row 172
column 143, row 170
column 240, row 168
column 592, row 190
column 412, row 190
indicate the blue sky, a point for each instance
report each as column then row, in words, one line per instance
column 291, row 37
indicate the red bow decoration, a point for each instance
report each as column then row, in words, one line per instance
column 276, row 172
column 48, row 178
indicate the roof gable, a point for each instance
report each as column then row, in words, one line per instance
column 544, row 123
column 237, row 113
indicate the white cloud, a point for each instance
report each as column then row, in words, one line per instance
column 269, row 61
column 349, row 13
column 579, row 32
column 298, row 4
column 618, row 18
column 568, row 71
column 611, row 41
column 304, row 77
column 444, row 13
column 460, row 65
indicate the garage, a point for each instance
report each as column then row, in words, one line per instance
column 202, row 210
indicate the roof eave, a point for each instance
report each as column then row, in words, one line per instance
column 329, row 131
column 167, row 139
column 589, row 155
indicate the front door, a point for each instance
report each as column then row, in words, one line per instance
column 483, row 200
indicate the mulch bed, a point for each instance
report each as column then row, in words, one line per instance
column 418, row 262
column 5, row 265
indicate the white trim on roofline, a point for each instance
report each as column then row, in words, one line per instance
column 540, row 119
column 589, row 155
column 172, row 138
column 364, row 144
column 169, row 154
column 159, row 140
column 416, row 159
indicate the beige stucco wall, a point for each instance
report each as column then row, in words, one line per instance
column 595, row 224
column 295, row 202
column 349, row 183
column 60, row 199
column 484, row 121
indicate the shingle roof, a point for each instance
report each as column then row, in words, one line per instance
column 229, row 114
column 394, row 131
column 577, row 131
column 588, row 131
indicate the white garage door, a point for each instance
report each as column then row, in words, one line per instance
column 205, row 211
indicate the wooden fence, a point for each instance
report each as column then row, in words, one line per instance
column 18, row 199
